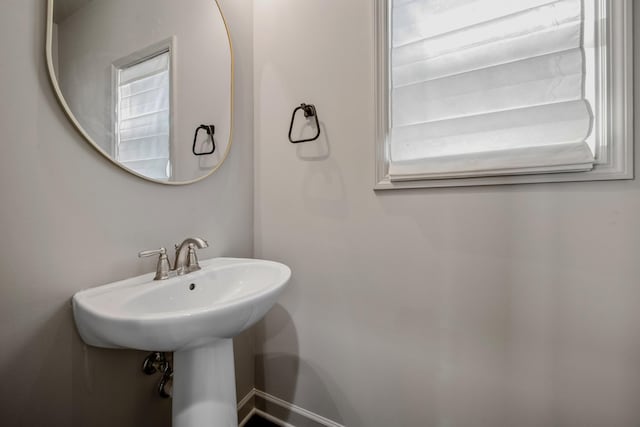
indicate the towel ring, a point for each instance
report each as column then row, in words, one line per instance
column 210, row 129
column 309, row 111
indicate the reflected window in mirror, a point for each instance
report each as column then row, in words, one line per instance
column 142, row 115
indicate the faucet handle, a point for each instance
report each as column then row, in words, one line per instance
column 192, row 260
column 163, row 267
column 161, row 251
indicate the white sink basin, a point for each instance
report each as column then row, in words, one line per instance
column 228, row 296
column 195, row 316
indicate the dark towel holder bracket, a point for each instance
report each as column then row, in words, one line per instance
column 309, row 111
column 210, row 129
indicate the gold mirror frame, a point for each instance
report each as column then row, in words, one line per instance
column 74, row 121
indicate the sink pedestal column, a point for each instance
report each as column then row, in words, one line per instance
column 204, row 386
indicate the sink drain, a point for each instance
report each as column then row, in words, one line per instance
column 192, row 286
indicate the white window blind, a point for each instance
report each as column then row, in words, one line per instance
column 488, row 87
column 143, row 116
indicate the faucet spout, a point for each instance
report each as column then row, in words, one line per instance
column 186, row 260
column 200, row 243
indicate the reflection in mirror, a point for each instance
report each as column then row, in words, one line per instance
column 138, row 78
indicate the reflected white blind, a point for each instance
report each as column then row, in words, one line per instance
column 143, row 113
column 487, row 87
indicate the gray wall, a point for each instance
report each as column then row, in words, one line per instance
column 69, row 220
column 463, row 307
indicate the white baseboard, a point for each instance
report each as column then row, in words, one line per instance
column 243, row 402
column 276, row 421
column 246, row 399
column 290, row 407
column 246, row 419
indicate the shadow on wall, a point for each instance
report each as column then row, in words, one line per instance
column 313, row 151
column 323, row 186
column 110, row 389
column 291, row 371
column 35, row 376
column 54, row 379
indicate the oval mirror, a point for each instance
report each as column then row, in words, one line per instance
column 149, row 83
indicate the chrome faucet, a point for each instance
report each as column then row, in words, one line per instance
column 186, row 259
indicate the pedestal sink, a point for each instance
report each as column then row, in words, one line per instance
column 195, row 316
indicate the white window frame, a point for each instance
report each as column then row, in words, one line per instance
column 615, row 105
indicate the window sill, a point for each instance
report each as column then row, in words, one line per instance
column 605, row 173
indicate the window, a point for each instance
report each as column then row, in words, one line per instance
column 143, row 112
column 474, row 92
